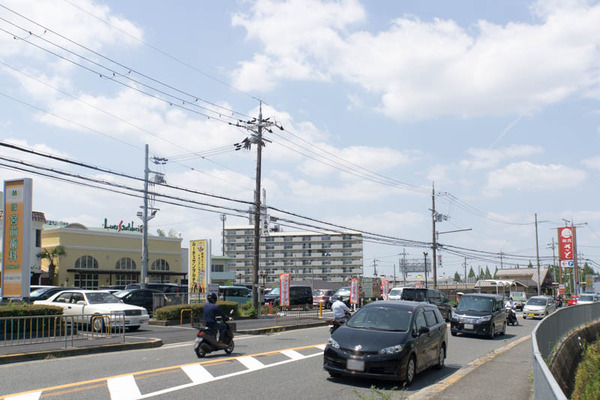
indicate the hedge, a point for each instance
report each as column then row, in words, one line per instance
column 174, row 312
column 28, row 310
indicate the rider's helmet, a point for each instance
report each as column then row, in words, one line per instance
column 211, row 298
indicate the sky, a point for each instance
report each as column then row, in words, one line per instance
column 372, row 106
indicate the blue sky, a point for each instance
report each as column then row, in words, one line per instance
column 495, row 102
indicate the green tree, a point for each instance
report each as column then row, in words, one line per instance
column 587, row 270
column 530, row 265
column 487, row 273
column 457, row 277
column 496, row 273
column 471, row 273
column 52, row 256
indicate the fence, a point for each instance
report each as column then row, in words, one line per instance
column 59, row 329
column 545, row 340
column 297, row 317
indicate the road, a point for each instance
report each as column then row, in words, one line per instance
column 285, row 364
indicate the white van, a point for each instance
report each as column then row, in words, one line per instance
column 395, row 293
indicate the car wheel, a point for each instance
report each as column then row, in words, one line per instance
column 441, row 357
column 98, row 324
column 334, row 374
column 411, row 370
column 503, row 329
column 492, row 331
column 453, row 333
column 133, row 328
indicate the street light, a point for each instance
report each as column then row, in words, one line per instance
column 425, row 257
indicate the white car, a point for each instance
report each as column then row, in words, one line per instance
column 98, row 308
column 395, row 293
column 539, row 307
column 587, row 298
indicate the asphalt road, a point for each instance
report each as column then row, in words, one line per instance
column 285, row 364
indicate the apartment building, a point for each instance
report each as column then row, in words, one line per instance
column 308, row 256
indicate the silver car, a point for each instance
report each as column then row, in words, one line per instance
column 539, row 307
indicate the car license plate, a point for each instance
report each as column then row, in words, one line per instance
column 469, row 326
column 355, row 365
column 531, row 315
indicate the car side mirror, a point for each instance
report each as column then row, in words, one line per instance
column 81, row 302
column 423, row 330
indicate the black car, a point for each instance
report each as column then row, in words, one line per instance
column 300, row 297
column 432, row 296
column 139, row 297
column 390, row 340
column 479, row 314
column 163, row 287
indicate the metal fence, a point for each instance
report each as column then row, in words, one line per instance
column 60, row 329
column 297, row 317
column 547, row 334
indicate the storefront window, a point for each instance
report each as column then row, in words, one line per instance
column 125, row 263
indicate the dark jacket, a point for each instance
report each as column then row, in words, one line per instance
column 210, row 313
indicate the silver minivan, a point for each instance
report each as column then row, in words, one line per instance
column 539, row 307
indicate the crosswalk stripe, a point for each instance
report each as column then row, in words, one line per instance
column 123, row 388
column 321, row 346
column 293, row 354
column 27, row 396
column 251, row 363
column 197, row 373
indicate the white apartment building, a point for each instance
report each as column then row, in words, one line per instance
column 308, row 256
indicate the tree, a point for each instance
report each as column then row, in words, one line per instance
column 487, row 273
column 496, row 273
column 587, row 270
column 471, row 273
column 530, row 265
column 51, row 256
column 457, row 277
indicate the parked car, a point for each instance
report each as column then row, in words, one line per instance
column 342, row 294
column 572, row 300
column 391, row 340
column 139, row 297
column 395, row 293
column 163, row 287
column 323, row 296
column 588, row 298
column 98, row 308
column 300, row 296
column 432, row 296
column 479, row 314
column 539, row 307
column 44, row 292
column 239, row 294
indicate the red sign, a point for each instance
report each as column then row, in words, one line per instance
column 354, row 295
column 385, row 289
column 284, row 289
column 565, row 243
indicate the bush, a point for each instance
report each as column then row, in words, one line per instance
column 174, row 312
column 27, row 310
column 587, row 377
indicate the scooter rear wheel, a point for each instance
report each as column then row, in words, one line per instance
column 199, row 352
column 230, row 347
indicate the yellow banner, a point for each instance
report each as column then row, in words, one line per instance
column 198, row 265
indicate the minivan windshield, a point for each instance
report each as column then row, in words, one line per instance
column 274, row 291
column 343, row 291
column 395, row 292
column 536, row 301
column 413, row 294
column 381, row 318
column 475, row 303
column 586, row 297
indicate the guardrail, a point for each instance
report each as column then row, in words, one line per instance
column 545, row 338
column 60, row 329
column 297, row 317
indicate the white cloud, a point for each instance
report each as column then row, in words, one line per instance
column 427, row 69
column 489, row 158
column 525, row 176
column 592, row 163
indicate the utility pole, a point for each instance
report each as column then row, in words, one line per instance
column 434, row 244
column 554, row 264
column 575, row 265
column 404, row 273
column 223, row 218
column 537, row 256
column 425, row 260
column 465, row 264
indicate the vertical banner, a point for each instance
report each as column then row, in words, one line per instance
column 16, row 246
column 354, row 291
column 565, row 243
column 284, row 289
column 199, row 255
column 385, row 289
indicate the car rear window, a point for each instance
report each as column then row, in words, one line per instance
column 413, row 295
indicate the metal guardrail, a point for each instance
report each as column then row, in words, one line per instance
column 289, row 317
column 60, row 329
column 544, row 338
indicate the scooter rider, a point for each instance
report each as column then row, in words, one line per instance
column 510, row 303
column 210, row 313
column 340, row 311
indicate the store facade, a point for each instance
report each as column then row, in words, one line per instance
column 100, row 257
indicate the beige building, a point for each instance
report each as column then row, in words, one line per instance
column 97, row 257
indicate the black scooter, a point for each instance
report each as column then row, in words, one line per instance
column 206, row 341
column 334, row 323
column 511, row 316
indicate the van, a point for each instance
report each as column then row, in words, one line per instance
column 431, row 296
column 300, row 297
column 395, row 293
column 239, row 294
column 479, row 314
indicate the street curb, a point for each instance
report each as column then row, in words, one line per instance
column 435, row 389
column 43, row 355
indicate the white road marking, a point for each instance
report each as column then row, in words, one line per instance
column 27, row 396
column 321, row 346
column 293, row 354
column 251, row 363
column 197, row 373
column 123, row 388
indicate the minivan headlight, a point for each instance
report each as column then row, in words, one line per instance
column 485, row 318
column 333, row 343
column 454, row 315
column 392, row 349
